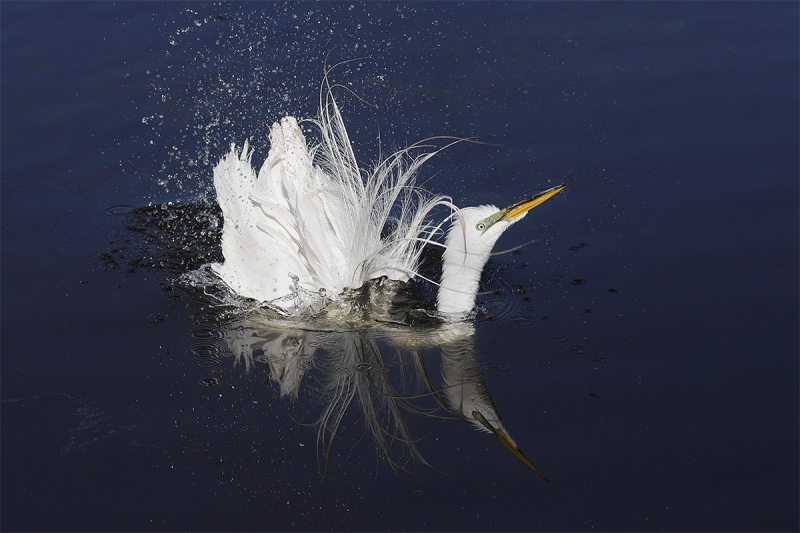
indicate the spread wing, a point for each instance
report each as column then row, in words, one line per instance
column 314, row 226
column 277, row 225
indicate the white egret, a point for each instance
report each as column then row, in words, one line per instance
column 311, row 219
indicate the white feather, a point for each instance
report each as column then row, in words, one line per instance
column 312, row 219
column 310, row 214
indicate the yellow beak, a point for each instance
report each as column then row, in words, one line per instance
column 515, row 211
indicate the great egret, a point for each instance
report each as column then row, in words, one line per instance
column 312, row 220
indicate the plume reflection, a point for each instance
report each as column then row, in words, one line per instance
column 389, row 373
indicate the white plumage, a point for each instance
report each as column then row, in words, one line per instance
column 312, row 219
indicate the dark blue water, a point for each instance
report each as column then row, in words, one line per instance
column 643, row 352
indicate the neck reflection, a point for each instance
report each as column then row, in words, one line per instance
column 383, row 372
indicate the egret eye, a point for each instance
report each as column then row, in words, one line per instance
column 481, row 226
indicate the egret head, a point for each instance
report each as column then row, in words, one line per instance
column 469, row 242
column 480, row 227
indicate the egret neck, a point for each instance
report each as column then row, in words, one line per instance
column 469, row 243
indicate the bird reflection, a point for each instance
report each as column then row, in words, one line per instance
column 383, row 371
column 466, row 391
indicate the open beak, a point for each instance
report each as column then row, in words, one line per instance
column 513, row 212
column 505, row 438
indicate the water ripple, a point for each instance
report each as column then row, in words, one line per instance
column 119, row 210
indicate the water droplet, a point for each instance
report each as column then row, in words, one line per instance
column 66, row 244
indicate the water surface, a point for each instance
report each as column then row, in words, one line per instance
column 642, row 352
